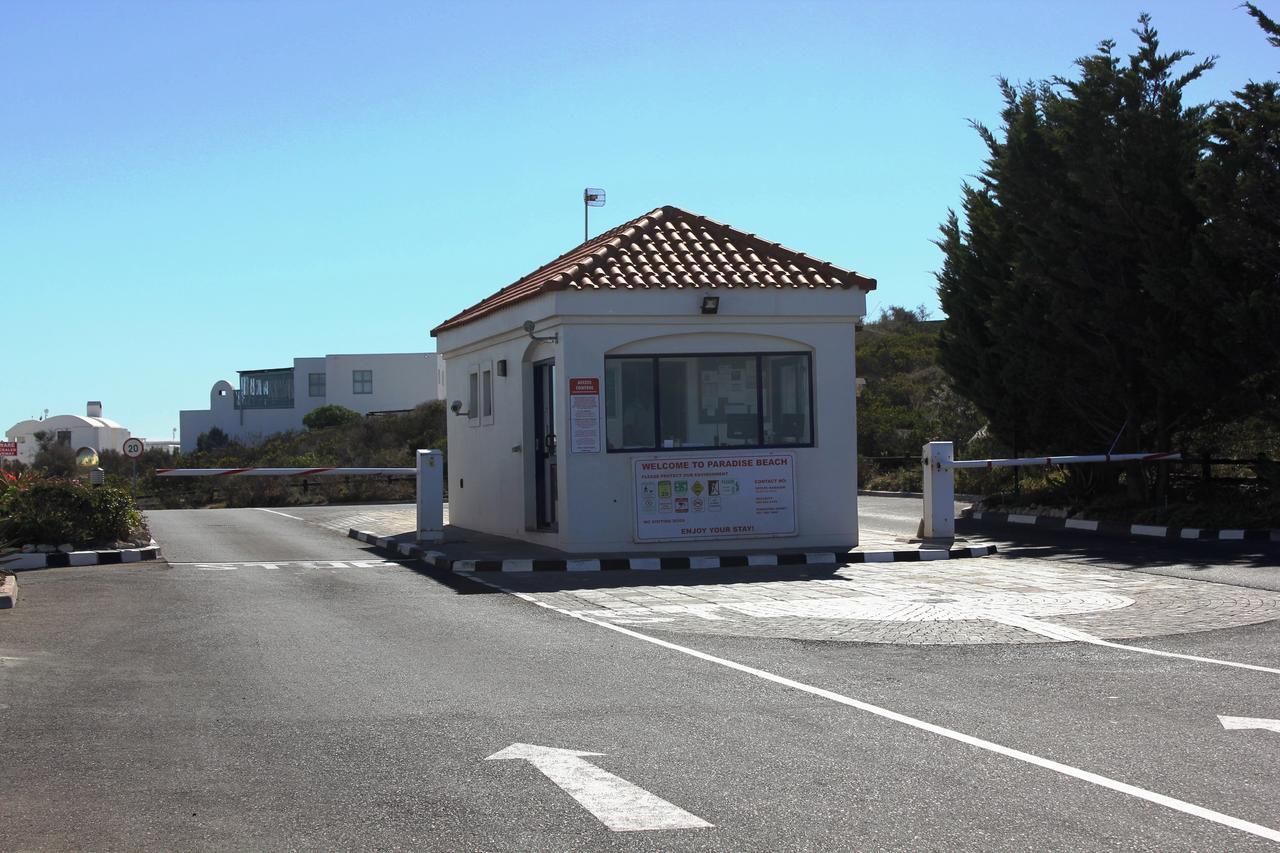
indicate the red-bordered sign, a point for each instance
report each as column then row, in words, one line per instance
column 133, row 447
column 8, row 448
column 584, row 386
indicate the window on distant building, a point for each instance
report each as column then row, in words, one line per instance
column 362, row 382
column 315, row 384
column 706, row 401
column 63, row 437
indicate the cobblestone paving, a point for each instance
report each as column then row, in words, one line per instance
column 947, row 602
column 969, row 601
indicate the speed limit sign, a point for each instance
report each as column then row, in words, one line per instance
column 133, row 448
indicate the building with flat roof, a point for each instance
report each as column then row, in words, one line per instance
column 277, row 399
column 672, row 384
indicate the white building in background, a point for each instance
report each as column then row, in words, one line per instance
column 276, row 400
column 75, row 431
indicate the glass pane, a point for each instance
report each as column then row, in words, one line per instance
column 488, row 393
column 628, row 401
column 787, row 419
column 473, row 395
column 708, row 401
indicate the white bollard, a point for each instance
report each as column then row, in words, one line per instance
column 939, row 490
column 430, row 496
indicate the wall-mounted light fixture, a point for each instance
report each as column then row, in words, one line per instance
column 528, row 329
column 456, row 408
column 710, row 304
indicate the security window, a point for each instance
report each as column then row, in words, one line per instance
column 671, row 402
column 362, row 382
column 316, row 384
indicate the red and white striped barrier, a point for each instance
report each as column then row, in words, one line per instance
column 429, row 475
column 284, row 472
column 940, row 487
column 1063, row 460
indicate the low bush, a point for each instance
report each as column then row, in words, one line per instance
column 53, row 512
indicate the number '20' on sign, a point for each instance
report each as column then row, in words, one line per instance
column 133, row 448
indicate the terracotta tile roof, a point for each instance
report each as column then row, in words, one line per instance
column 669, row 248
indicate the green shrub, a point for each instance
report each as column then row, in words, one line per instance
column 331, row 415
column 53, row 512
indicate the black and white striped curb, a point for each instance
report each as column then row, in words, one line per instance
column 62, row 559
column 655, row 564
column 1119, row 528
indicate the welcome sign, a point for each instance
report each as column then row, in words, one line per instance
column 714, row 497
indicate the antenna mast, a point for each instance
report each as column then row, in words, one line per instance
column 591, row 197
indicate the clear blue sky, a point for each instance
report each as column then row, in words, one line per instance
column 192, row 188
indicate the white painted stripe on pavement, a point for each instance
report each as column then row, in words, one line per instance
column 277, row 512
column 1048, row 764
column 1073, row 635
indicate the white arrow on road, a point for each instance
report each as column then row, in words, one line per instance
column 617, row 803
column 1249, row 723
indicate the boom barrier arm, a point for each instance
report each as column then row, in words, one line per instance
column 429, row 474
column 940, row 485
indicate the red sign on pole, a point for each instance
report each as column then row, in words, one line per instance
column 8, row 448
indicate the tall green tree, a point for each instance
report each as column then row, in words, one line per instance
column 1082, row 297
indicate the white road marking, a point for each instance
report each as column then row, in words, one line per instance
column 1068, row 635
column 1048, row 764
column 1249, row 723
column 278, row 512
column 618, row 804
column 230, row 566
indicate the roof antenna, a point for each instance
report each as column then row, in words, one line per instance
column 591, row 197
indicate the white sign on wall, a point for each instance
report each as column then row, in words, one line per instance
column 715, row 497
column 584, row 415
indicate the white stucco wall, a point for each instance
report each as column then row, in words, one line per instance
column 98, row 433
column 490, row 479
column 400, row 380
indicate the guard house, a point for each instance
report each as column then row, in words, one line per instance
column 672, row 384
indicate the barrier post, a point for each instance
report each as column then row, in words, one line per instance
column 430, row 496
column 939, row 490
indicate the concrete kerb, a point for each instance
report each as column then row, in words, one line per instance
column 441, row 560
column 8, row 591
column 1118, row 528
column 62, row 559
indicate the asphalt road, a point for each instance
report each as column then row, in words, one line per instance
column 277, row 686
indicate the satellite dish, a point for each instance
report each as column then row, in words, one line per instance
column 593, row 197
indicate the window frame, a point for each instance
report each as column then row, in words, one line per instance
column 486, row 393
column 473, row 395
column 311, row 384
column 355, row 383
column 759, row 356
